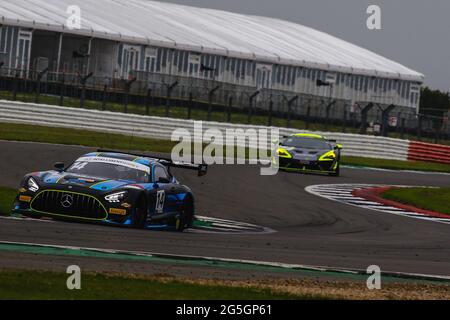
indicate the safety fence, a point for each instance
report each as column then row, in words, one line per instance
column 211, row 96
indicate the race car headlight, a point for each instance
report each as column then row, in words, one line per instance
column 283, row 153
column 116, row 197
column 32, row 185
column 328, row 156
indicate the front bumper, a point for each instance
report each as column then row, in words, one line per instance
column 312, row 166
column 71, row 202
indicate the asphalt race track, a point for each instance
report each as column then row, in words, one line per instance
column 310, row 230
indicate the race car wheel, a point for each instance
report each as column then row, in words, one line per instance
column 186, row 216
column 336, row 173
column 139, row 213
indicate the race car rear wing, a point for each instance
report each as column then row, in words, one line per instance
column 201, row 169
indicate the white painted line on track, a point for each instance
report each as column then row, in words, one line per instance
column 218, row 226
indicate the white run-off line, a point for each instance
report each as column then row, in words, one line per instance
column 343, row 193
column 162, row 128
column 218, row 226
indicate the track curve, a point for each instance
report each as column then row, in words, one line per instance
column 310, row 230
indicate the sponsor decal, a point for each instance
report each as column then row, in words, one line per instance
column 126, row 205
column 82, row 162
column 160, row 198
column 25, row 198
column 121, row 212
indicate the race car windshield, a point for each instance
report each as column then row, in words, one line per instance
column 109, row 171
column 306, row 143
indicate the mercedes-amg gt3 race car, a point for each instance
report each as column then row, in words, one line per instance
column 304, row 152
column 113, row 188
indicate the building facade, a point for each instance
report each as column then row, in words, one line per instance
column 28, row 46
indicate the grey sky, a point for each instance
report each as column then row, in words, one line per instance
column 415, row 33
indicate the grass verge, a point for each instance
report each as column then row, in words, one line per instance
column 433, row 199
column 33, row 285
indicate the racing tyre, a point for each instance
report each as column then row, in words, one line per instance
column 186, row 216
column 139, row 213
column 337, row 172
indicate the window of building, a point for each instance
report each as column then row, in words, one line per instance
column 347, row 80
column 23, row 50
column 130, row 59
column 389, row 85
column 358, row 85
column 151, row 56
column 194, row 64
column 164, row 56
column 381, row 84
column 293, row 76
column 284, row 70
column 288, row 75
column 3, row 38
column 350, row 81
column 233, row 65
column 227, row 64
column 278, row 74
column 263, row 76
column 250, row 68
column 313, row 75
column 185, row 62
column 407, row 90
column 394, row 85
column 176, row 57
column 366, row 84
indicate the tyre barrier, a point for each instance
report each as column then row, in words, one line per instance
column 428, row 152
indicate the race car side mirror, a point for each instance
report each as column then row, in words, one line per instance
column 59, row 166
column 338, row 147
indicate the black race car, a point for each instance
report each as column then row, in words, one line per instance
column 113, row 188
column 305, row 152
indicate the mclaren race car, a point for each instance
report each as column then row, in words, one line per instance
column 305, row 152
column 113, row 188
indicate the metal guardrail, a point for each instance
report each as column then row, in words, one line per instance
column 162, row 128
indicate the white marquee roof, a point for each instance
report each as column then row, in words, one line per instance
column 213, row 31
